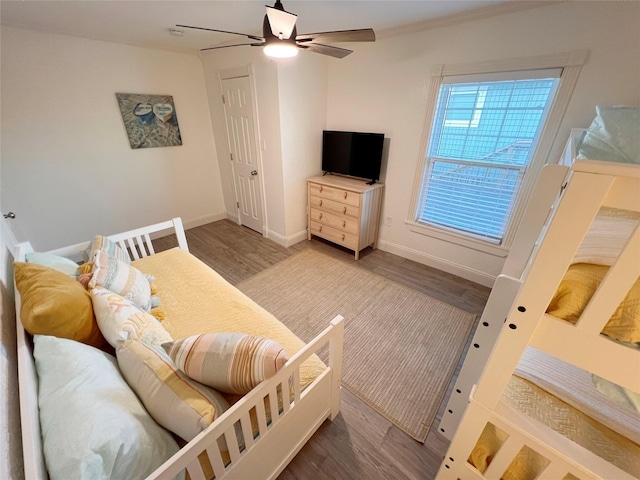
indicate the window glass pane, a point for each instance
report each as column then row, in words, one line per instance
column 471, row 198
column 482, row 139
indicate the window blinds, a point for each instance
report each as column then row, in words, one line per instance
column 483, row 136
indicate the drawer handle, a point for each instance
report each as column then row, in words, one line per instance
column 343, row 235
column 344, row 223
column 320, row 216
column 320, row 228
column 345, row 210
column 320, row 203
column 321, row 188
column 345, row 195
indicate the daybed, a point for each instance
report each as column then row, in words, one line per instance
column 254, row 437
column 555, row 399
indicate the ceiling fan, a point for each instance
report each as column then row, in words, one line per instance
column 281, row 40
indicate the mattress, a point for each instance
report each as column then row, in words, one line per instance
column 576, row 409
column 194, row 299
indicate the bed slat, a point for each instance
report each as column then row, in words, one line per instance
column 296, row 385
column 148, row 243
column 247, row 431
column 232, row 444
column 273, row 406
column 614, row 287
column 262, row 417
column 195, row 470
column 286, row 397
column 504, row 457
column 215, row 459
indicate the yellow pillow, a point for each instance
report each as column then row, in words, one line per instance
column 55, row 304
column 576, row 289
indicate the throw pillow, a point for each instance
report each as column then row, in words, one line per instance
column 120, row 320
column 228, row 362
column 111, row 248
column 55, row 304
column 93, row 425
column 576, row 289
column 175, row 401
column 123, row 279
column 62, row 264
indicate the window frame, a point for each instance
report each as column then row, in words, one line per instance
column 571, row 64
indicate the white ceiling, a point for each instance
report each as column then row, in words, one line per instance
column 147, row 22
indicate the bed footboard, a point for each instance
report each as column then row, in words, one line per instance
column 281, row 432
column 563, row 457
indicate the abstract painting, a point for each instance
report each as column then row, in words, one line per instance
column 150, row 120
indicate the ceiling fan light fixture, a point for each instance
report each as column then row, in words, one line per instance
column 280, row 50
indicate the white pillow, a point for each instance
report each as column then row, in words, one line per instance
column 120, row 320
column 622, row 396
column 62, row 264
column 604, row 240
column 176, row 402
column 93, row 425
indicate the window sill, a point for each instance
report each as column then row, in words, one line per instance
column 458, row 239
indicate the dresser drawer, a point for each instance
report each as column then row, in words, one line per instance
column 332, row 206
column 333, row 193
column 343, row 238
column 341, row 222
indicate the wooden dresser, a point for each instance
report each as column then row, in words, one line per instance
column 344, row 210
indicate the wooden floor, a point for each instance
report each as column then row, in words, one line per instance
column 359, row 443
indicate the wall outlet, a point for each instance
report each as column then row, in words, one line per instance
column 387, row 221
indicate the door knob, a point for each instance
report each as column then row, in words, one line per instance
column 254, row 172
column 9, row 215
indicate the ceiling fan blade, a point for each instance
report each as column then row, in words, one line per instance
column 234, row 45
column 361, row 35
column 281, row 22
column 252, row 37
column 326, row 49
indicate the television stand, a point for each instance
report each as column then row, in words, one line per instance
column 344, row 210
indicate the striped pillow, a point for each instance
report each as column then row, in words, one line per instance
column 123, row 279
column 102, row 243
column 228, row 362
column 174, row 401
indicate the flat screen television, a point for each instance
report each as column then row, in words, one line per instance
column 357, row 154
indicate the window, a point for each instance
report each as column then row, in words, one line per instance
column 481, row 154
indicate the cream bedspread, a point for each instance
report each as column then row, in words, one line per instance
column 195, row 299
column 575, row 409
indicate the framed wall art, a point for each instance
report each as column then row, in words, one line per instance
column 150, row 120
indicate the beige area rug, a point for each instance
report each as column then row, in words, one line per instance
column 401, row 347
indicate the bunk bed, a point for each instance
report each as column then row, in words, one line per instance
column 536, row 351
column 257, row 435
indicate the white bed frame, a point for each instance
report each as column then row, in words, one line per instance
column 516, row 311
column 266, row 454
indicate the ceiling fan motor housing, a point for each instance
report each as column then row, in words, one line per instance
column 269, row 37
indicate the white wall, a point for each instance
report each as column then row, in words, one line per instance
column 67, row 168
column 303, row 116
column 381, row 87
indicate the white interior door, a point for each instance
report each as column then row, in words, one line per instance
column 241, row 135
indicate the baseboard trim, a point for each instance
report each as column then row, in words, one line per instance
column 287, row 241
column 203, row 220
column 471, row 274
